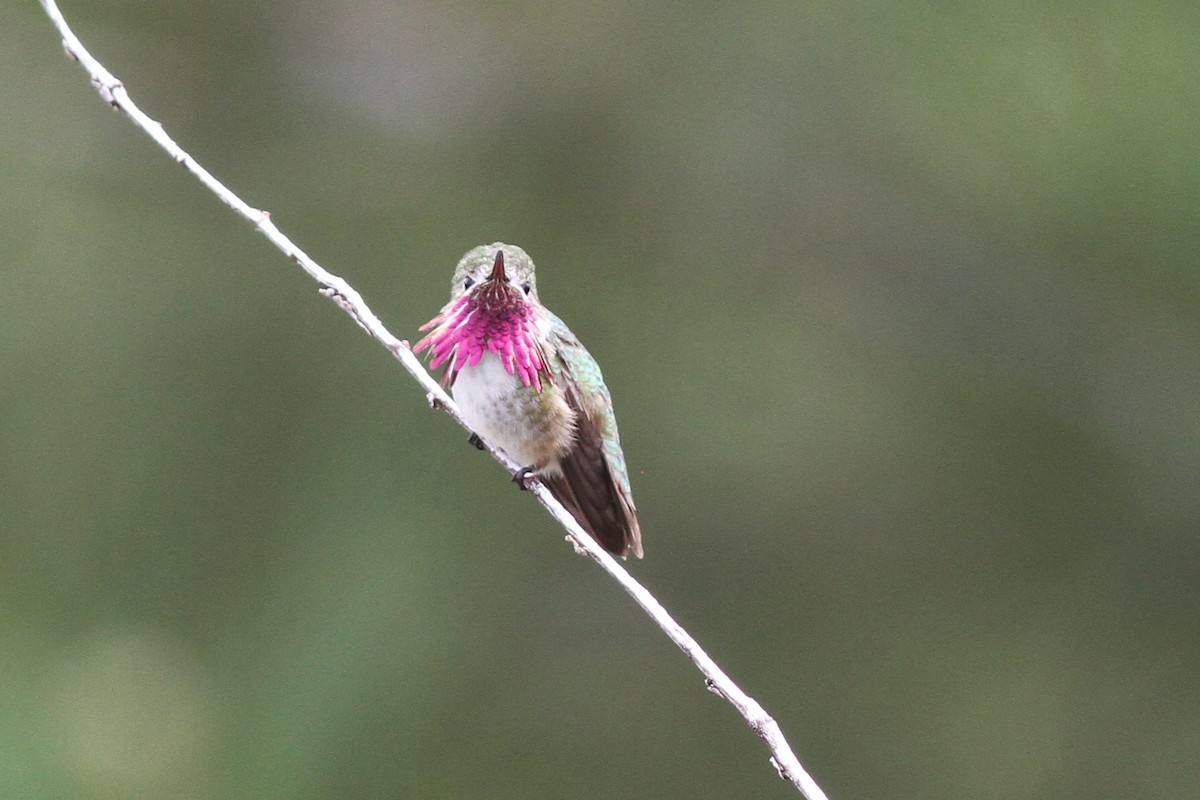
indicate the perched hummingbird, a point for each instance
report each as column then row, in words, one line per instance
column 526, row 384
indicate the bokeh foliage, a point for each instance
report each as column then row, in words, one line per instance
column 899, row 302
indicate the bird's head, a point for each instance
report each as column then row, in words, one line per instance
column 493, row 308
column 497, row 276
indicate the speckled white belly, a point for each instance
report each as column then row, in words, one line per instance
column 506, row 413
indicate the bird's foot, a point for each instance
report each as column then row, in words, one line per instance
column 476, row 442
column 525, row 477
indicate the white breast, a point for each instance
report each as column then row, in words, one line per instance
column 534, row 428
column 494, row 405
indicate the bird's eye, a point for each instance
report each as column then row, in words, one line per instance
column 525, row 287
column 468, row 282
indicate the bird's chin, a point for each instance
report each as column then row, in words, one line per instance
column 496, row 298
column 474, row 325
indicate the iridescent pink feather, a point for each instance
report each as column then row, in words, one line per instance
column 466, row 329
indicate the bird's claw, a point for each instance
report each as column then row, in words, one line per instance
column 525, row 478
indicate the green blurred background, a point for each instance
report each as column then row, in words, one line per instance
column 899, row 302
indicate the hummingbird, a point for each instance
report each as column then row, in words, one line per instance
column 525, row 383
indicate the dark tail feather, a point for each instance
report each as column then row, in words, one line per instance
column 586, row 488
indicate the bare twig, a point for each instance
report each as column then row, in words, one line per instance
column 349, row 300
